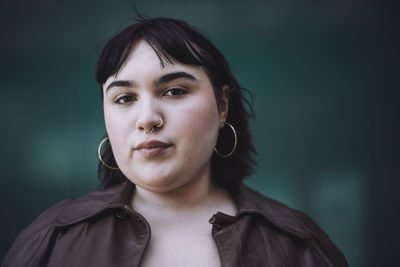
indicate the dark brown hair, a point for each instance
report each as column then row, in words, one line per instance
column 177, row 41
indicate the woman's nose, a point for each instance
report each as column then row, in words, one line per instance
column 149, row 117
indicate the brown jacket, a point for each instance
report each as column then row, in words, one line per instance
column 100, row 229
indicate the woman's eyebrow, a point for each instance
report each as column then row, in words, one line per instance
column 163, row 79
column 121, row 83
column 172, row 76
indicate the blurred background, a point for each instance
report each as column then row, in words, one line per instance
column 324, row 75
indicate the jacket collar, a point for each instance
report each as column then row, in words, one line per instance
column 117, row 196
column 249, row 203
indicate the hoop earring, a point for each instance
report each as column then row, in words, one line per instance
column 99, row 154
column 234, row 146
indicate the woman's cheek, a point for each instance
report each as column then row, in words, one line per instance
column 200, row 126
column 116, row 134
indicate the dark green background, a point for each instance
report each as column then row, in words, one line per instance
column 324, row 75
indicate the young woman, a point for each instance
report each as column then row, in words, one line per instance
column 177, row 148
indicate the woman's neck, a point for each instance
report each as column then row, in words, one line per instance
column 195, row 200
column 185, row 197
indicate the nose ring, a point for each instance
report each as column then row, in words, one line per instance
column 154, row 127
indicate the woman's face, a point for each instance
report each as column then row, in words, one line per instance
column 142, row 93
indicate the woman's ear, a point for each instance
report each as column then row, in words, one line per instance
column 223, row 105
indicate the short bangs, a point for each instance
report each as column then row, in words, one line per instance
column 171, row 42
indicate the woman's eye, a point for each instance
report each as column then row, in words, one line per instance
column 175, row 92
column 125, row 99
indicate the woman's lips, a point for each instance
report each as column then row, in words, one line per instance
column 152, row 148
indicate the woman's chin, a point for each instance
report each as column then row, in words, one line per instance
column 156, row 184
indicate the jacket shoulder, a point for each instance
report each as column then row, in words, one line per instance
column 62, row 214
column 292, row 221
column 28, row 241
column 321, row 242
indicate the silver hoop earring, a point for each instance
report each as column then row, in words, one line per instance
column 234, row 145
column 100, row 158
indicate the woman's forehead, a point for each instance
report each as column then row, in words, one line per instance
column 143, row 62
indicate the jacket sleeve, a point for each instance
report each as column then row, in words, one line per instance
column 29, row 240
column 322, row 243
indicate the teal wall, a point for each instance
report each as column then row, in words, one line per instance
column 323, row 74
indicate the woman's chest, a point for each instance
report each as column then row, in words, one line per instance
column 181, row 248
